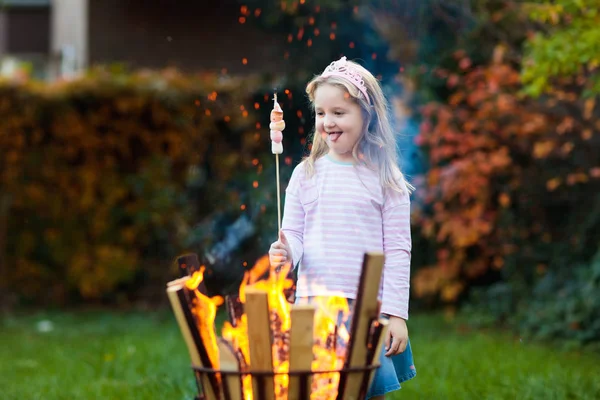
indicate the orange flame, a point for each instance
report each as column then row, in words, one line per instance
column 205, row 309
column 330, row 334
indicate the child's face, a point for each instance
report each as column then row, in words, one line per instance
column 338, row 119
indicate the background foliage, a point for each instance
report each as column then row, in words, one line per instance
column 508, row 204
column 106, row 178
column 565, row 45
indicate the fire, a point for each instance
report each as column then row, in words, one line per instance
column 205, row 309
column 329, row 349
column 330, row 334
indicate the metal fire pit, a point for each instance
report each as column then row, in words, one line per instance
column 304, row 376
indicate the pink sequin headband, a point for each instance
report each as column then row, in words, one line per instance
column 345, row 70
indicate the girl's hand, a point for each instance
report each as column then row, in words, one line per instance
column 397, row 336
column 280, row 252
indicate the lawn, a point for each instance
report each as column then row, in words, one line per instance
column 104, row 355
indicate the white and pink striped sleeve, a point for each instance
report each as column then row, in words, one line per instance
column 397, row 249
column 293, row 216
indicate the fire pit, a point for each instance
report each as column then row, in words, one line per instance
column 272, row 350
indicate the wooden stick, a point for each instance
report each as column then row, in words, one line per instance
column 178, row 281
column 180, row 317
column 278, row 190
column 301, row 349
column 377, row 340
column 235, row 308
column 190, row 334
column 228, row 361
column 277, row 177
column 366, row 310
column 260, row 343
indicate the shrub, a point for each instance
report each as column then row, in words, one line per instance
column 103, row 178
column 513, row 184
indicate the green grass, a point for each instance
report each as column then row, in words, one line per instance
column 102, row 355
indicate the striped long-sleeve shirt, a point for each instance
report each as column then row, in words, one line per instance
column 333, row 218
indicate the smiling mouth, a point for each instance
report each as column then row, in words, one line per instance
column 333, row 136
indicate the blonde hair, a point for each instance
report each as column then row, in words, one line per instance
column 376, row 148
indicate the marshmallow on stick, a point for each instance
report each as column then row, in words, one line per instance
column 277, row 126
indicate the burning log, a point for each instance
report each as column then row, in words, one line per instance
column 375, row 345
column 192, row 337
column 301, row 351
column 376, row 340
column 235, row 309
column 230, row 371
column 354, row 386
column 271, row 350
column 259, row 339
column 188, row 264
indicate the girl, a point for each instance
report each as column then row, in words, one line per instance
column 349, row 197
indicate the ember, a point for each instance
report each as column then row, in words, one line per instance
column 272, row 350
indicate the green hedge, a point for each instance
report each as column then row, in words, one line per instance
column 102, row 179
